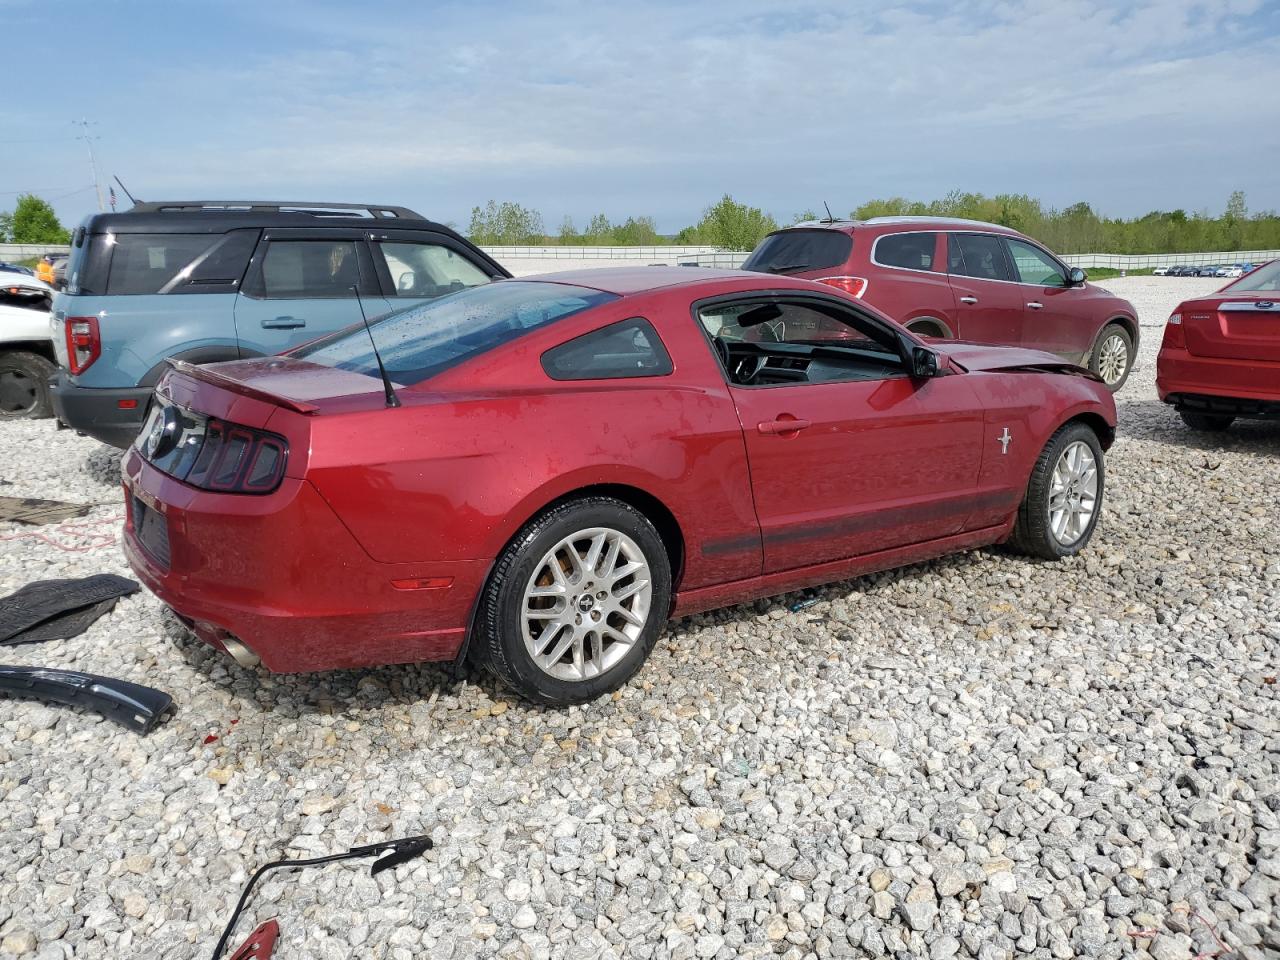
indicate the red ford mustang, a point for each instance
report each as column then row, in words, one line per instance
column 1220, row 358
column 556, row 465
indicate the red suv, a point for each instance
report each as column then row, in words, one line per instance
column 963, row 279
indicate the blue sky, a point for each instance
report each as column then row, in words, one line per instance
column 651, row 108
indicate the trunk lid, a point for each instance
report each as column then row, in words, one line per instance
column 1240, row 326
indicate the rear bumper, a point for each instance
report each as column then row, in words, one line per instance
column 97, row 412
column 1243, row 388
column 282, row 575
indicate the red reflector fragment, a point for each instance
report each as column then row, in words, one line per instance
column 422, row 583
column 127, row 404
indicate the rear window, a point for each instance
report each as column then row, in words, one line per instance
column 147, row 263
column 911, row 251
column 1265, row 278
column 427, row 339
column 793, row 251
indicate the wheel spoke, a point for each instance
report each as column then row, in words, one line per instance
column 630, row 590
column 626, row 570
column 592, row 561
column 566, row 640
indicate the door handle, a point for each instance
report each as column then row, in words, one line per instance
column 1035, row 305
column 283, row 323
column 782, row 425
column 968, row 299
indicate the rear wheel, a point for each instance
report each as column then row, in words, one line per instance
column 1113, row 356
column 575, row 602
column 1210, row 422
column 928, row 327
column 24, row 386
column 1064, row 496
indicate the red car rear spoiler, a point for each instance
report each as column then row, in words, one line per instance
column 240, row 387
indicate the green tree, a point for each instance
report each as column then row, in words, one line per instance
column 505, row 223
column 636, row 232
column 33, row 221
column 568, row 232
column 599, row 231
column 803, row 216
column 732, row 226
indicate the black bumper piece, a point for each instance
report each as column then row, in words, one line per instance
column 96, row 412
column 1225, row 406
column 129, row 704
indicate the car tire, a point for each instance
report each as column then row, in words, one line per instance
column 1208, row 422
column 24, row 386
column 1069, row 478
column 549, row 626
column 1112, row 356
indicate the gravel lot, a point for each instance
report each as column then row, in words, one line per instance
column 980, row 756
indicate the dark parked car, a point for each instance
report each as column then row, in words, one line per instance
column 205, row 281
column 560, row 463
column 962, row 279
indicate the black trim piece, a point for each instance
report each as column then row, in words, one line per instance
column 887, row 519
column 1229, row 406
column 552, row 356
column 129, row 704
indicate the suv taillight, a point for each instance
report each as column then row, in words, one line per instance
column 855, row 286
column 236, row 459
column 84, row 345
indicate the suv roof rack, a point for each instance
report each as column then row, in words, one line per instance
column 376, row 211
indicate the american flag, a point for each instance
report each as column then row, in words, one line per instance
column 112, row 196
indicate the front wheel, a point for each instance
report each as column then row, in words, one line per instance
column 1209, row 422
column 24, row 386
column 1112, row 356
column 1064, row 496
column 575, row 602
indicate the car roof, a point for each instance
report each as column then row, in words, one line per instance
column 624, row 281
column 214, row 216
column 902, row 224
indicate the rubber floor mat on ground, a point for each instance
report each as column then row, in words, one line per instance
column 59, row 609
column 34, row 510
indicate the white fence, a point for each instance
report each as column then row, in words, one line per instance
column 25, row 251
column 1145, row 261
column 554, row 252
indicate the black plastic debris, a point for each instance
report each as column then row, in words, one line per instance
column 396, row 852
column 34, row 510
column 129, row 704
column 59, row 609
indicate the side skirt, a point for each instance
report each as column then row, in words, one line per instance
column 772, row 584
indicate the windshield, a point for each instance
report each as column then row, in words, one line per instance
column 1266, row 277
column 422, row 341
column 789, row 251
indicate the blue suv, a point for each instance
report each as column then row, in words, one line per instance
column 205, row 281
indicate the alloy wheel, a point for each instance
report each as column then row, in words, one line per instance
column 1073, row 494
column 586, row 604
column 1113, row 359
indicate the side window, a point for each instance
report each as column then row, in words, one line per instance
column 219, row 269
column 911, row 251
column 309, row 269
column 769, row 343
column 429, row 269
column 630, row 348
column 979, row 255
column 1033, row 265
column 146, row 263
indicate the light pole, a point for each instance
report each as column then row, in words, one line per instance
column 93, row 166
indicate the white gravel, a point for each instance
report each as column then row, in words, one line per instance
column 980, row 756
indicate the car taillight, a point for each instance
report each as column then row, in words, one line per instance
column 855, row 286
column 1174, row 336
column 236, row 459
column 84, row 344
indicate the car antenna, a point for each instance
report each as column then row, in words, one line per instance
column 392, row 399
column 830, row 218
column 132, row 198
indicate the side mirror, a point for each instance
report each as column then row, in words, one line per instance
column 924, row 363
column 1077, row 276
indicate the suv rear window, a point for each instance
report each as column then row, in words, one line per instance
column 911, row 251
column 791, row 251
column 144, row 263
